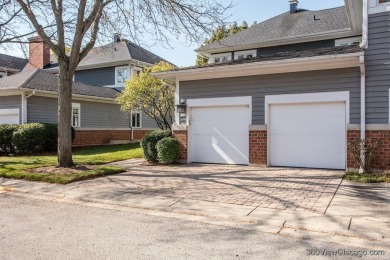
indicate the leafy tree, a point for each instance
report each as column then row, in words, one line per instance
column 219, row 34
column 152, row 96
column 79, row 24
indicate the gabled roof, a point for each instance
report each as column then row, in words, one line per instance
column 11, row 62
column 41, row 80
column 286, row 25
column 117, row 53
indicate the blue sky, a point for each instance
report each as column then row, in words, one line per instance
column 243, row 10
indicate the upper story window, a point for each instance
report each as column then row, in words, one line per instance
column 136, row 119
column 222, row 57
column 121, row 75
column 348, row 41
column 76, row 114
column 384, row 1
column 240, row 55
column 3, row 74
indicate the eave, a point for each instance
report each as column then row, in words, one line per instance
column 335, row 61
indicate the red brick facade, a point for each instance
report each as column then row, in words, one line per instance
column 182, row 136
column 384, row 157
column 39, row 53
column 105, row 137
column 258, row 147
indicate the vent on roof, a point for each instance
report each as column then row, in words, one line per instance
column 293, row 6
column 117, row 37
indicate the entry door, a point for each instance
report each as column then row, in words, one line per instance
column 220, row 135
column 311, row 135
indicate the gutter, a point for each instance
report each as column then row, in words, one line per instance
column 362, row 109
column 32, row 94
column 364, row 43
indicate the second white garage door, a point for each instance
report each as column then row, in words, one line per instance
column 309, row 135
column 9, row 116
column 220, row 135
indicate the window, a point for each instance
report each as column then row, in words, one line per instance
column 121, row 75
column 135, row 119
column 384, row 1
column 348, row 41
column 240, row 55
column 221, row 57
column 75, row 115
column 3, row 74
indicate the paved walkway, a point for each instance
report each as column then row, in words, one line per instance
column 273, row 188
column 294, row 202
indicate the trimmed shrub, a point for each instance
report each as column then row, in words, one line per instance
column 36, row 138
column 6, row 136
column 150, row 141
column 168, row 150
column 30, row 138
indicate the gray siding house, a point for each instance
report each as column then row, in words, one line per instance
column 290, row 91
column 30, row 94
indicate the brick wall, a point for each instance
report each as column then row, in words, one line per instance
column 258, row 147
column 384, row 157
column 105, row 137
column 182, row 136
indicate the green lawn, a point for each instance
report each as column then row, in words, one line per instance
column 16, row 166
column 367, row 177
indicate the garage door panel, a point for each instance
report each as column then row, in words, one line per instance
column 308, row 135
column 9, row 116
column 217, row 127
column 220, row 135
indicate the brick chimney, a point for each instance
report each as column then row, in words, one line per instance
column 39, row 53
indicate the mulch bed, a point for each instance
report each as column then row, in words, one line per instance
column 55, row 170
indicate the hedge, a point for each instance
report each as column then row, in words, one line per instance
column 168, row 150
column 149, row 143
column 29, row 138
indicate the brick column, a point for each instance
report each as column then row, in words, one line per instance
column 181, row 134
column 384, row 156
column 258, row 147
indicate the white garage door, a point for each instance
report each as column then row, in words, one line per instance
column 308, row 135
column 9, row 116
column 220, row 135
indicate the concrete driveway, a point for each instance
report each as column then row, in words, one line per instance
column 273, row 188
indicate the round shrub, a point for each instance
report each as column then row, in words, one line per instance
column 6, row 136
column 150, row 141
column 30, row 138
column 168, row 150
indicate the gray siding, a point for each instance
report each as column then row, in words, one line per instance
column 290, row 83
column 295, row 47
column 377, row 58
column 96, row 77
column 93, row 114
column 12, row 102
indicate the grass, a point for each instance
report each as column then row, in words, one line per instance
column 16, row 166
column 367, row 177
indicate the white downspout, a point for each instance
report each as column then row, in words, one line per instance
column 362, row 108
column 364, row 43
column 24, row 106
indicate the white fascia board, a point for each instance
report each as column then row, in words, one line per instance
column 10, row 92
column 324, row 97
column 50, row 94
column 225, row 101
column 344, row 33
column 337, row 61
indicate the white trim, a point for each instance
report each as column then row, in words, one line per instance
column 140, row 119
column 177, row 101
column 24, row 108
column 336, row 61
column 51, row 94
column 10, row 92
column 342, row 96
column 10, row 111
column 258, row 128
column 348, row 41
column 176, row 127
column 77, row 106
column 113, row 129
column 116, row 75
column 370, row 127
column 247, row 52
column 375, row 7
column 215, row 102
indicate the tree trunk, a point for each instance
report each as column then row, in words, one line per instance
column 64, row 117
